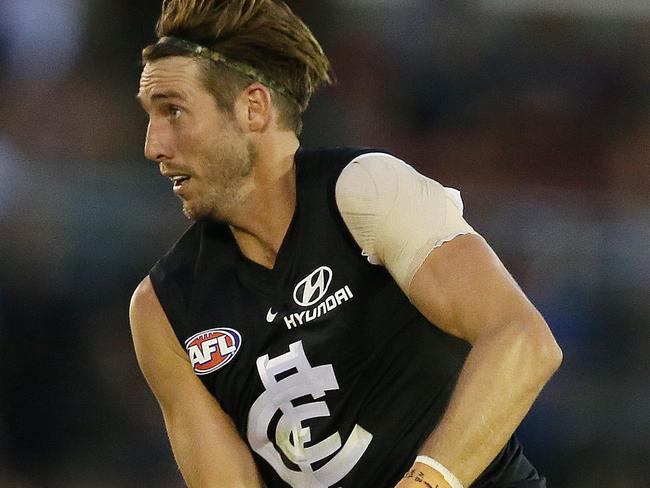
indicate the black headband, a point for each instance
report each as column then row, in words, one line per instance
column 240, row 67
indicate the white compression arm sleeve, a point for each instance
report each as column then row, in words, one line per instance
column 396, row 215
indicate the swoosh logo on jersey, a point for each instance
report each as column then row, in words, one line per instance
column 270, row 316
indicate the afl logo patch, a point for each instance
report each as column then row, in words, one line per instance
column 212, row 349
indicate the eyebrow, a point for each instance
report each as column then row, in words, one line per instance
column 163, row 95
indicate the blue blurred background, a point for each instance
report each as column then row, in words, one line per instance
column 539, row 111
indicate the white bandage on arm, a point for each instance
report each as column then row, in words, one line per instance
column 446, row 474
column 396, row 215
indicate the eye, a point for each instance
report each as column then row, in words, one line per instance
column 174, row 112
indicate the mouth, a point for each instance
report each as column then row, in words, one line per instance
column 178, row 181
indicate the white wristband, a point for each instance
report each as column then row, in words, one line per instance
column 448, row 475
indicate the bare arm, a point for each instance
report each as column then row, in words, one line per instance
column 206, row 445
column 464, row 289
column 414, row 226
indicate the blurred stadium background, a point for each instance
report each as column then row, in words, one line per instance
column 538, row 110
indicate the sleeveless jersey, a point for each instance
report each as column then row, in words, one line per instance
column 329, row 372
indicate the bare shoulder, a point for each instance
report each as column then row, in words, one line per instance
column 148, row 320
column 144, row 300
column 158, row 351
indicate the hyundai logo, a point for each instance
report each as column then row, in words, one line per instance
column 313, row 287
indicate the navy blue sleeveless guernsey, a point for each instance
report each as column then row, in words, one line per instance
column 330, row 374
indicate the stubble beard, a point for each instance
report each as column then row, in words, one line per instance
column 229, row 180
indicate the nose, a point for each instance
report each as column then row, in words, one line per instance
column 157, row 146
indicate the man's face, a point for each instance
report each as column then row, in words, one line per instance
column 202, row 149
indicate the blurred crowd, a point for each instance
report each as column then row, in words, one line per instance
column 541, row 118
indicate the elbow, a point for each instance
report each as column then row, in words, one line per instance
column 545, row 350
column 552, row 356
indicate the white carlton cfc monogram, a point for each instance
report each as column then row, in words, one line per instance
column 290, row 434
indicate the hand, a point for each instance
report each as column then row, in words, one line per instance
column 422, row 476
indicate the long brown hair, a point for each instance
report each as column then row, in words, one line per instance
column 262, row 34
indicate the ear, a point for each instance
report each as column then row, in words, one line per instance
column 257, row 105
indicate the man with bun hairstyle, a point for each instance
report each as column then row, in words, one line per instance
column 329, row 319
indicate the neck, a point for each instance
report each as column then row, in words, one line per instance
column 263, row 219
